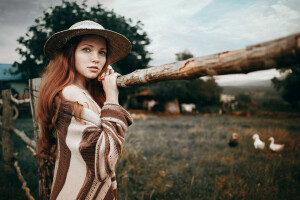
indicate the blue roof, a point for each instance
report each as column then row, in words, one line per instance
column 6, row 76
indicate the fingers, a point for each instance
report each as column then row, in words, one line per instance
column 108, row 71
column 111, row 79
column 112, row 76
column 100, row 78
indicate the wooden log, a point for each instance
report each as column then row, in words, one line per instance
column 283, row 52
column 45, row 168
column 34, row 92
column 7, row 139
column 14, row 108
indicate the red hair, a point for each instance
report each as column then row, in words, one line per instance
column 60, row 73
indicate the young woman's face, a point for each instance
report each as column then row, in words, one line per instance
column 90, row 57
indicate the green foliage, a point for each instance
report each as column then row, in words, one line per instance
column 194, row 91
column 61, row 17
column 244, row 101
column 244, row 98
column 186, row 54
column 290, row 86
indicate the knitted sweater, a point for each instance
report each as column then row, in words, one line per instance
column 88, row 149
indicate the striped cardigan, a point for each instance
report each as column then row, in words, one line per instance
column 88, row 150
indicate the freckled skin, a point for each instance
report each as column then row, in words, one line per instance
column 90, row 57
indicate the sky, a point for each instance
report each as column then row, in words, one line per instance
column 203, row 27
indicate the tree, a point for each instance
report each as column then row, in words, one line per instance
column 186, row 54
column 290, row 86
column 244, row 100
column 195, row 91
column 61, row 17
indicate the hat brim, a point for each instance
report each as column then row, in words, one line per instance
column 119, row 45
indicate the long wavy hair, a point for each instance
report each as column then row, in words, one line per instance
column 60, row 73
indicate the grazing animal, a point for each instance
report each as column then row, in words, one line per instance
column 258, row 144
column 275, row 147
column 233, row 142
column 188, row 107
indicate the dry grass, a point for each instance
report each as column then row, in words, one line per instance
column 189, row 158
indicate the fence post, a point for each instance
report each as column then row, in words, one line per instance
column 7, row 138
column 45, row 168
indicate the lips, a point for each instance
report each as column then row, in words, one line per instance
column 93, row 67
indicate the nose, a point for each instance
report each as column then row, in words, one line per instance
column 95, row 58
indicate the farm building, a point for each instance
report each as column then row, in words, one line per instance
column 12, row 81
column 145, row 100
column 19, row 89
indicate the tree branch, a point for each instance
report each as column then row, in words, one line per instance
column 31, row 149
column 282, row 52
column 21, row 178
column 23, row 136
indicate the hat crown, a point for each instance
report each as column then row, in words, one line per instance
column 86, row 24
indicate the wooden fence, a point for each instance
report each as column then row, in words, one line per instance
column 10, row 159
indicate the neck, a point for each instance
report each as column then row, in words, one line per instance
column 80, row 82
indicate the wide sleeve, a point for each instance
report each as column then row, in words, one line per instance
column 114, row 122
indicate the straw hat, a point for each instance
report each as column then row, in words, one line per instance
column 119, row 45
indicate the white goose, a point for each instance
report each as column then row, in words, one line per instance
column 275, row 147
column 258, row 144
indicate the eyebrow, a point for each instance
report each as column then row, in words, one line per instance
column 93, row 46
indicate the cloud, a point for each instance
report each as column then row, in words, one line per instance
column 167, row 23
column 258, row 22
column 246, row 78
column 206, row 27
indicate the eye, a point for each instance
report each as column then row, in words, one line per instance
column 86, row 49
column 102, row 52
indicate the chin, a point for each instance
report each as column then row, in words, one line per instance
column 92, row 76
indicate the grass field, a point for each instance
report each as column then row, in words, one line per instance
column 189, row 158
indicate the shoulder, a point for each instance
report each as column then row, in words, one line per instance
column 74, row 94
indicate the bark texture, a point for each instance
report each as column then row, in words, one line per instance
column 7, row 139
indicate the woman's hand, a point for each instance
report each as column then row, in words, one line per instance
column 109, row 82
column 108, row 71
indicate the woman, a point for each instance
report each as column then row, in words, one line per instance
column 78, row 111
